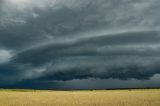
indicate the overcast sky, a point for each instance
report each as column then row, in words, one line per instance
column 79, row 44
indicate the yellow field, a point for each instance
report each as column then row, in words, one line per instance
column 80, row 98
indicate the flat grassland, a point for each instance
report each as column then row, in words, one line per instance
column 142, row 97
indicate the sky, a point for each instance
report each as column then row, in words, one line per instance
column 79, row 44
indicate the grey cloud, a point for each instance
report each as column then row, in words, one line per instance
column 90, row 83
column 91, row 16
column 126, row 44
column 108, row 67
column 59, row 40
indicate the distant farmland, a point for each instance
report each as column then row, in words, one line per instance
column 141, row 97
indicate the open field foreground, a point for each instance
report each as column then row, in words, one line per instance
column 80, row 98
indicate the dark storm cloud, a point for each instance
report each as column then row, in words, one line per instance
column 48, row 22
column 66, row 40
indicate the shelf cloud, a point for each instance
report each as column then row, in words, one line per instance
column 55, row 41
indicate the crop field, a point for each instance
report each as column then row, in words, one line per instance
column 146, row 97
